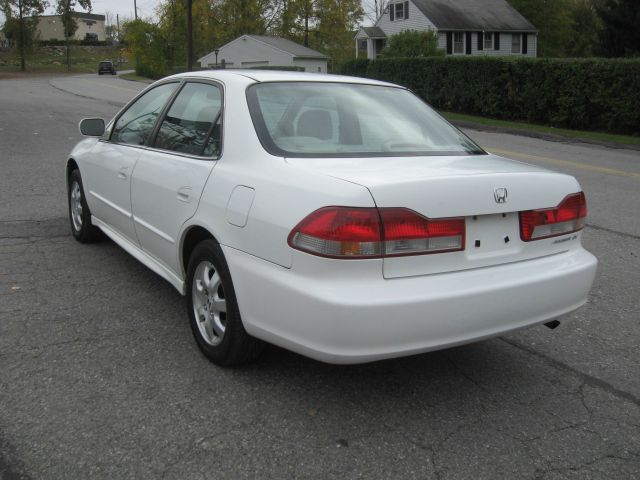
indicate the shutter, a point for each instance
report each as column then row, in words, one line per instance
column 480, row 41
column 496, row 41
column 524, row 44
column 449, row 43
column 467, row 36
column 392, row 9
column 406, row 10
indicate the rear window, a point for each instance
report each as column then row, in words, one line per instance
column 313, row 119
column 105, row 64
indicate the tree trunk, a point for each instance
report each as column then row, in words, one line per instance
column 68, row 55
column 189, row 37
column 23, row 65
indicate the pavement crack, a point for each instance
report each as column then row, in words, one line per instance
column 615, row 232
column 586, row 378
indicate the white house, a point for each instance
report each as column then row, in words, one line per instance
column 255, row 51
column 464, row 27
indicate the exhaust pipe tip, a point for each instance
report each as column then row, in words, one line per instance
column 552, row 324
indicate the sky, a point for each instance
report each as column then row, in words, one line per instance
column 146, row 8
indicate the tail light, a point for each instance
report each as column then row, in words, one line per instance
column 566, row 218
column 345, row 232
column 408, row 233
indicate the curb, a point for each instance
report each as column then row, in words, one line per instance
column 149, row 82
column 541, row 136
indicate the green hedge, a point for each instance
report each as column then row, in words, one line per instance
column 589, row 94
column 287, row 68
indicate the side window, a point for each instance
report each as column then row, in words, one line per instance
column 193, row 123
column 135, row 125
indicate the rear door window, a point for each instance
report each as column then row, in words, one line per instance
column 193, row 123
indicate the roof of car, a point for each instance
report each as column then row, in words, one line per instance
column 279, row 76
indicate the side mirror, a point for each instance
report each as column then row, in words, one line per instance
column 92, row 127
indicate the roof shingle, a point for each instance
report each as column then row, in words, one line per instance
column 288, row 46
column 495, row 15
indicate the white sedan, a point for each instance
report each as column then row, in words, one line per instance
column 338, row 217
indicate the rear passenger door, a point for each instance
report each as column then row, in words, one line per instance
column 170, row 175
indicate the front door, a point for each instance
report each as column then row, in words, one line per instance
column 112, row 161
column 108, row 186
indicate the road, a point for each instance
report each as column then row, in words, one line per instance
column 100, row 377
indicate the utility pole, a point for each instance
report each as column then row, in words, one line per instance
column 135, row 8
column 118, row 25
column 189, row 36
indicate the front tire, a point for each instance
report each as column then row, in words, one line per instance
column 213, row 309
column 79, row 214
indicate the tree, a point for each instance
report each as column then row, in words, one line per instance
column 585, row 25
column 241, row 17
column 553, row 20
column 621, row 33
column 411, row 43
column 148, row 46
column 110, row 28
column 66, row 10
column 337, row 21
column 373, row 9
column 21, row 24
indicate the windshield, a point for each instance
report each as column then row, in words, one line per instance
column 313, row 119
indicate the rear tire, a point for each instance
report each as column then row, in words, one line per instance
column 213, row 309
column 79, row 214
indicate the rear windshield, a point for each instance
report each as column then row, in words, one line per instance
column 105, row 64
column 313, row 119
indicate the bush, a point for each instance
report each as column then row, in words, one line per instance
column 288, row 68
column 590, row 94
column 412, row 43
column 63, row 43
column 354, row 68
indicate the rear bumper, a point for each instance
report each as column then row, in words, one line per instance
column 356, row 319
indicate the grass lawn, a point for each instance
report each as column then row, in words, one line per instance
column 84, row 59
column 562, row 132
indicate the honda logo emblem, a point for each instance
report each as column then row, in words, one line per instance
column 500, row 194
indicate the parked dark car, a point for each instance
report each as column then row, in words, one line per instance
column 107, row 67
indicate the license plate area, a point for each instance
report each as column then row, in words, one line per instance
column 492, row 235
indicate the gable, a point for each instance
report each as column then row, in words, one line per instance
column 413, row 19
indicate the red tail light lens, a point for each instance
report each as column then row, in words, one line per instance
column 568, row 217
column 339, row 232
column 408, row 233
column 345, row 232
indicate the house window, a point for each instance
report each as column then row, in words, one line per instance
column 516, row 43
column 488, row 40
column 458, row 42
column 362, row 45
column 399, row 11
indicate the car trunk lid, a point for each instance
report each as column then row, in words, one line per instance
column 488, row 191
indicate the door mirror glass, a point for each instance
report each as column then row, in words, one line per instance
column 92, row 127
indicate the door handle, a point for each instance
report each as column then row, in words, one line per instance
column 184, row 194
column 123, row 173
